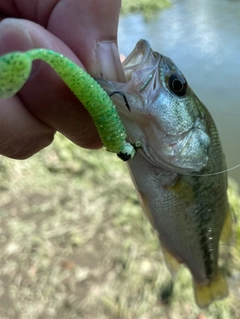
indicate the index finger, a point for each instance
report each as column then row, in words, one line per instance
column 88, row 28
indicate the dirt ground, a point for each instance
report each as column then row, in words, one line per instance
column 75, row 244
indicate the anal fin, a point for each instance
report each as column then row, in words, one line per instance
column 171, row 262
column 215, row 290
column 227, row 229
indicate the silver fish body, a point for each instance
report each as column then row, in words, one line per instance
column 179, row 145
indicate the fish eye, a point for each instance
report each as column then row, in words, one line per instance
column 177, row 84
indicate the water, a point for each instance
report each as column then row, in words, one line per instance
column 203, row 39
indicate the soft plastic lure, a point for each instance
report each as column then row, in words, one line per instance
column 15, row 69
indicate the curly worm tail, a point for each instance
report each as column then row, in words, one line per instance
column 15, row 69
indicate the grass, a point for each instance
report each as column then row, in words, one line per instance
column 75, row 244
column 149, row 8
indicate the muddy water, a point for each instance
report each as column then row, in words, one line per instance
column 203, row 39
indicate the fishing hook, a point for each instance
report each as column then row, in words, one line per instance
column 124, row 97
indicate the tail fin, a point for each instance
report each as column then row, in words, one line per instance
column 215, row 290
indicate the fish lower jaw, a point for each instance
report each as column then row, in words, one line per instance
column 173, row 166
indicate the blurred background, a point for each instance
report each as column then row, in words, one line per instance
column 74, row 242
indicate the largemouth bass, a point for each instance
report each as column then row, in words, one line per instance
column 179, row 145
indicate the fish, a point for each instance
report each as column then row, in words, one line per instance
column 175, row 170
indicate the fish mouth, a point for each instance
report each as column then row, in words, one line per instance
column 139, row 58
column 136, row 60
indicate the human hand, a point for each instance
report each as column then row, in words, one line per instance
column 85, row 32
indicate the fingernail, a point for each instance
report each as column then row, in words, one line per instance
column 13, row 36
column 110, row 67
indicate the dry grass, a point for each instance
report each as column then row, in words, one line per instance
column 75, row 244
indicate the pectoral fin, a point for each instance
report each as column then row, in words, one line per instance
column 215, row 290
column 227, row 229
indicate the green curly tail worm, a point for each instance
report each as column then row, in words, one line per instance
column 15, row 69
